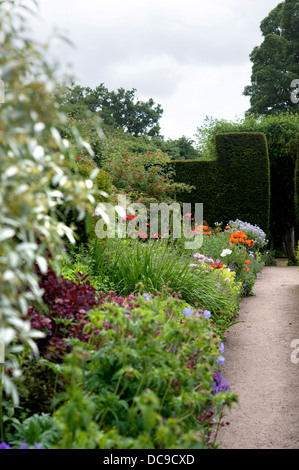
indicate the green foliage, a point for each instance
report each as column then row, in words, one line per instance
column 152, row 266
column 145, row 381
column 268, row 258
column 117, row 109
column 78, row 260
column 34, row 182
column 39, row 383
column 144, row 178
column 235, row 184
column 281, row 131
column 296, row 185
column 85, row 168
column 91, row 131
column 37, row 429
column 275, row 61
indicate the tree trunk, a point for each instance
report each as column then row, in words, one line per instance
column 289, row 244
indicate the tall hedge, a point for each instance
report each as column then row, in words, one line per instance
column 296, row 185
column 236, row 184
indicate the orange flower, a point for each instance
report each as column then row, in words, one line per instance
column 247, row 261
column 227, row 227
column 247, row 268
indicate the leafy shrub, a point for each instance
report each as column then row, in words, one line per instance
column 144, row 178
column 84, row 164
column 91, row 131
column 33, row 182
column 147, row 378
column 37, row 431
column 63, row 317
column 85, row 168
column 268, row 258
column 67, row 303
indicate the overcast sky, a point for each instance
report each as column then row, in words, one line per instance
column 190, row 56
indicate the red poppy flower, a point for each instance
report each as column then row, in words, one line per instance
column 130, row 217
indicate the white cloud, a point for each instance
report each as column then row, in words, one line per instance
column 192, row 57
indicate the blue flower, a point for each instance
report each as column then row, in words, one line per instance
column 38, row 446
column 3, row 445
column 147, row 296
column 188, row 311
column 220, row 360
column 220, row 385
column 221, row 349
column 24, row 446
column 207, row 314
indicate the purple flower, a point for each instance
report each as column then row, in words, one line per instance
column 207, row 314
column 220, row 360
column 220, row 385
column 147, row 296
column 24, row 446
column 221, row 349
column 3, row 445
column 38, row 446
column 198, row 255
column 192, row 265
column 188, row 311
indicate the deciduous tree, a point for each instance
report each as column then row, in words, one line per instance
column 275, row 61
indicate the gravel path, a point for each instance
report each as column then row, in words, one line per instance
column 258, row 366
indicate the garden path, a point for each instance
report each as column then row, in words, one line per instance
column 259, row 368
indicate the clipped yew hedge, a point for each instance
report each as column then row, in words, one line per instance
column 296, row 185
column 236, row 184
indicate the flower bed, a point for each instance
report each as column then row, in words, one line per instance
column 134, row 370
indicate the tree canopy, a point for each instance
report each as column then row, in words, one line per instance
column 275, row 61
column 118, row 109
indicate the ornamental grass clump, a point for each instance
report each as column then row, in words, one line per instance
column 155, row 265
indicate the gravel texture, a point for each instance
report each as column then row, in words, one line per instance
column 259, row 368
